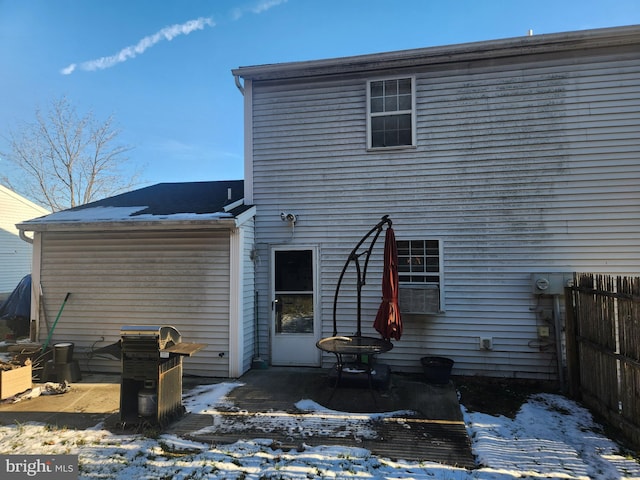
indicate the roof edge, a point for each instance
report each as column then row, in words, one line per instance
column 248, row 214
column 164, row 224
column 553, row 42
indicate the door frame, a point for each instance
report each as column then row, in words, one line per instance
column 315, row 356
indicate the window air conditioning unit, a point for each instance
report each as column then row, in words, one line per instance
column 419, row 299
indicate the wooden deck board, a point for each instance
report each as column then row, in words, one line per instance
column 435, row 431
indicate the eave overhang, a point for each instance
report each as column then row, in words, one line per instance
column 218, row 221
column 492, row 49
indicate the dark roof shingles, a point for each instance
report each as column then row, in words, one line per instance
column 176, row 198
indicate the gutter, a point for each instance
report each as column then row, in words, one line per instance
column 107, row 226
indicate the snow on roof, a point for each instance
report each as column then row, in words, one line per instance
column 121, row 214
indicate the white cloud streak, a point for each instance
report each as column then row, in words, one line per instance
column 256, row 8
column 132, row 51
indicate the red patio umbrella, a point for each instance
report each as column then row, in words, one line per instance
column 388, row 320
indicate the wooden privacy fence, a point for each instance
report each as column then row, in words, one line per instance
column 603, row 348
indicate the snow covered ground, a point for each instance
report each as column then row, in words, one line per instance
column 551, row 437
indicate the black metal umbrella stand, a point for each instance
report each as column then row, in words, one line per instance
column 357, row 344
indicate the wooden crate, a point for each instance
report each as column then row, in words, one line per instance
column 15, row 381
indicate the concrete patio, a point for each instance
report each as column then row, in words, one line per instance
column 435, row 430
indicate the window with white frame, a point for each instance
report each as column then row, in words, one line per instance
column 391, row 113
column 420, row 275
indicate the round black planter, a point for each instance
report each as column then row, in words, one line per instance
column 437, row 369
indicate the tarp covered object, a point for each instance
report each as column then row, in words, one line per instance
column 388, row 320
column 17, row 307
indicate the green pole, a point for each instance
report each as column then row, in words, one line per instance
column 46, row 344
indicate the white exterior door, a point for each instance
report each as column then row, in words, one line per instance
column 294, row 318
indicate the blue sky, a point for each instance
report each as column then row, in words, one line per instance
column 163, row 67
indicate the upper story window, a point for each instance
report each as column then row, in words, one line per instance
column 391, row 113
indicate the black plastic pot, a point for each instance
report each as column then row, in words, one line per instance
column 437, row 369
column 63, row 353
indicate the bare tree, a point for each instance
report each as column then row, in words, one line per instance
column 65, row 160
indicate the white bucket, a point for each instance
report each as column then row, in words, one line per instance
column 147, row 402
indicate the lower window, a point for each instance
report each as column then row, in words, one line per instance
column 420, row 276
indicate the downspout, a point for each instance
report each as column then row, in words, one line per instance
column 238, row 84
column 24, row 237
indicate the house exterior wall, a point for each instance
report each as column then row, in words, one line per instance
column 176, row 278
column 524, row 164
column 15, row 253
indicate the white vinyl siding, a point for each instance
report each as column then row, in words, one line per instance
column 521, row 165
column 15, row 253
column 178, row 278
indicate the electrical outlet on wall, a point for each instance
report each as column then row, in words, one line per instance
column 543, row 331
column 486, row 343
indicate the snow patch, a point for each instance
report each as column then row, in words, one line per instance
column 550, row 437
column 120, row 214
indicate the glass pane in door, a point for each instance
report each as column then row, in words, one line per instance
column 294, row 291
column 294, row 313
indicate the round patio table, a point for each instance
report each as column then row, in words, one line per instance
column 355, row 345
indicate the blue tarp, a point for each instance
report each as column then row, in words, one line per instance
column 17, row 307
